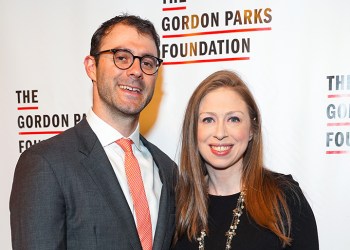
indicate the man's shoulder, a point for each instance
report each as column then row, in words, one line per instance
column 163, row 161
column 155, row 150
column 61, row 142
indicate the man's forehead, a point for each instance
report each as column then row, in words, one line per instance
column 122, row 35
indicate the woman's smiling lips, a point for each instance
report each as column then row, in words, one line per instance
column 221, row 150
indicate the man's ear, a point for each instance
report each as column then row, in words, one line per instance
column 90, row 67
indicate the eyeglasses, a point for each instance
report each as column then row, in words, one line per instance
column 124, row 59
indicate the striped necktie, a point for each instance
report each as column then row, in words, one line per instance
column 138, row 195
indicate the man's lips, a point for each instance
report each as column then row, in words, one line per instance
column 129, row 88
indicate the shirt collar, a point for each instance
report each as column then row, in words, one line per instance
column 107, row 134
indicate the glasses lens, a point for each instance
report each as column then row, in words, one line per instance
column 123, row 59
column 149, row 64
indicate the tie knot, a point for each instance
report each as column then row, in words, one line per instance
column 125, row 144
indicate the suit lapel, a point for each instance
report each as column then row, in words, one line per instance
column 163, row 218
column 164, row 207
column 101, row 171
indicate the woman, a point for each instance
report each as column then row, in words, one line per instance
column 225, row 196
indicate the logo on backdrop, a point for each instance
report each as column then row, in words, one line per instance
column 338, row 114
column 190, row 37
column 33, row 125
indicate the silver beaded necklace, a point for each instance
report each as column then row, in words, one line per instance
column 237, row 212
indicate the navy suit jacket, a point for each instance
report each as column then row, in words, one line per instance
column 65, row 195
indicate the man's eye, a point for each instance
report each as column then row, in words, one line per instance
column 149, row 62
column 120, row 58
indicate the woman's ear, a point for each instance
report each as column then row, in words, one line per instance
column 90, row 67
column 250, row 135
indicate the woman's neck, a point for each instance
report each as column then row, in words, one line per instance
column 224, row 182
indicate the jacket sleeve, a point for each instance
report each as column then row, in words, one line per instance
column 37, row 206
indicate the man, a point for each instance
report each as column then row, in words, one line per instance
column 72, row 191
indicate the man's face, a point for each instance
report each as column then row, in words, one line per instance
column 123, row 93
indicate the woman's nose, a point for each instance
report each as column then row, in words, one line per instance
column 220, row 132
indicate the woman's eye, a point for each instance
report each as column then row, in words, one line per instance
column 234, row 119
column 207, row 120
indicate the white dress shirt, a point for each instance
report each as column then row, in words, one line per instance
column 107, row 135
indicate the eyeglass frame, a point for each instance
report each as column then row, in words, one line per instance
column 114, row 51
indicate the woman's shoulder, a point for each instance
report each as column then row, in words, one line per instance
column 282, row 180
column 291, row 190
column 287, row 185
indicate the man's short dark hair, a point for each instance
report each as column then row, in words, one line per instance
column 143, row 26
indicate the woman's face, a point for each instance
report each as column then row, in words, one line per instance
column 224, row 129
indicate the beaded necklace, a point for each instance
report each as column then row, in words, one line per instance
column 237, row 212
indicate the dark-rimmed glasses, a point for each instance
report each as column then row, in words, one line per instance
column 124, row 59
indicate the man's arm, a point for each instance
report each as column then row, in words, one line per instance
column 37, row 206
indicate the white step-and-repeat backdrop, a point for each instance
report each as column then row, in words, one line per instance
column 293, row 54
